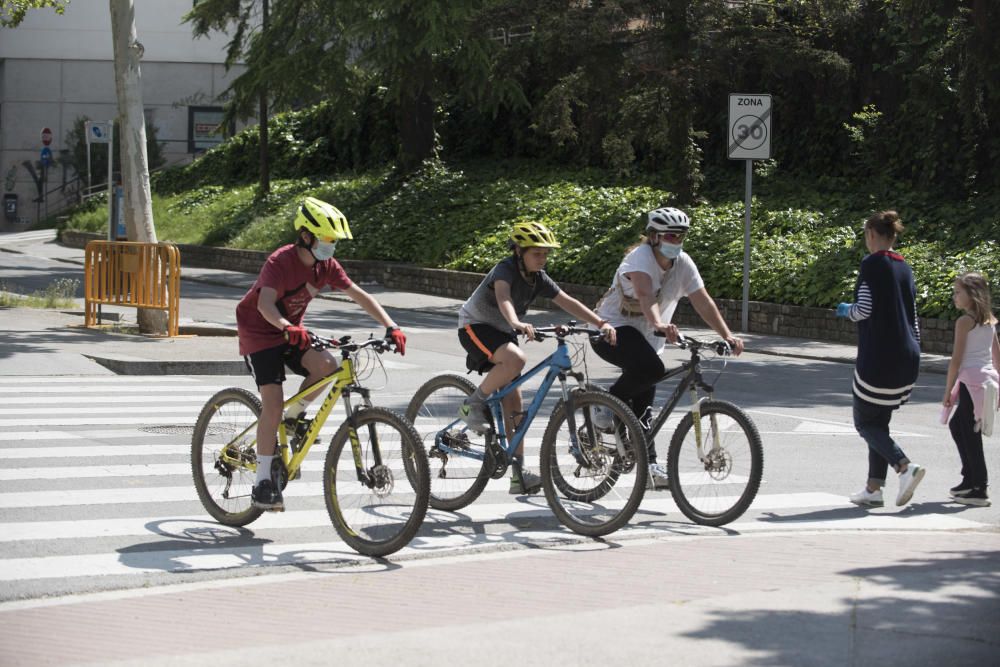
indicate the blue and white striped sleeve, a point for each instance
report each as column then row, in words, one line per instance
column 862, row 308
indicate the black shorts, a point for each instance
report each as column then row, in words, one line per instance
column 481, row 341
column 268, row 366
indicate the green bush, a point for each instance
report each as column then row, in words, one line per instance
column 806, row 248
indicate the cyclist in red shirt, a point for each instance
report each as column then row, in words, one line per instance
column 271, row 333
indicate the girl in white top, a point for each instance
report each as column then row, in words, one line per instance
column 971, row 387
column 648, row 284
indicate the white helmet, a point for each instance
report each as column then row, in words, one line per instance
column 668, row 220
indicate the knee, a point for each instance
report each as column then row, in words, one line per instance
column 510, row 356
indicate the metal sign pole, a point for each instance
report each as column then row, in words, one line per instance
column 744, row 311
column 111, row 191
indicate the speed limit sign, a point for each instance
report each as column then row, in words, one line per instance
column 749, row 127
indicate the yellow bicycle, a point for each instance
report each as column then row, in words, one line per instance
column 375, row 476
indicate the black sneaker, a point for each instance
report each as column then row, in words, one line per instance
column 267, row 496
column 976, row 497
column 961, row 490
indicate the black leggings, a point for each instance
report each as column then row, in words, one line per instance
column 968, row 440
column 641, row 368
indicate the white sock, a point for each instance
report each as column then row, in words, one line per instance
column 296, row 409
column 263, row 467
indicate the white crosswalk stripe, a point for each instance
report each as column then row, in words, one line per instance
column 95, row 482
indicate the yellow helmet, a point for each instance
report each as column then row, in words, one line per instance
column 533, row 235
column 322, row 219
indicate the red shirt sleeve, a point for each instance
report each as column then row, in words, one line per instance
column 335, row 276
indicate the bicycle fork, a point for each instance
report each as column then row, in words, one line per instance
column 714, row 428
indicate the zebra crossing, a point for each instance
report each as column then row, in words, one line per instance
column 96, row 493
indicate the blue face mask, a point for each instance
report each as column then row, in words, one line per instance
column 669, row 250
column 323, row 251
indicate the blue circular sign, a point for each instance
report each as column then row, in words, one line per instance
column 46, row 156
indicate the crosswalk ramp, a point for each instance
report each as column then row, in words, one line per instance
column 96, row 493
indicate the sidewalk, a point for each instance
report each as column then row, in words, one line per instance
column 823, row 599
column 212, row 350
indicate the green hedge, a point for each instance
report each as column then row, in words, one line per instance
column 806, row 236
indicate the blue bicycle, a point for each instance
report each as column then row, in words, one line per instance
column 594, row 478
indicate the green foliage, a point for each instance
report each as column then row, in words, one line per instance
column 806, row 241
column 12, row 12
column 59, row 293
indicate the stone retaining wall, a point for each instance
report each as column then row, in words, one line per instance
column 778, row 319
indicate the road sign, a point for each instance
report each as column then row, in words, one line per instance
column 46, row 136
column 98, row 133
column 749, row 135
column 46, row 156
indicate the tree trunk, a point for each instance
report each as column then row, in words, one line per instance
column 134, row 161
column 415, row 119
column 265, row 170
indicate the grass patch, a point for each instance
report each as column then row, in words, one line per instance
column 58, row 294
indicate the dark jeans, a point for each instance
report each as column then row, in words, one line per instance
column 872, row 424
column 968, row 440
column 641, row 368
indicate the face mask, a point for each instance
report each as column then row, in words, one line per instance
column 669, row 250
column 322, row 251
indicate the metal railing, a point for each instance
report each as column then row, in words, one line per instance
column 129, row 273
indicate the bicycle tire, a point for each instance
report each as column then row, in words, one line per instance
column 434, row 406
column 696, row 485
column 379, row 518
column 619, row 483
column 227, row 414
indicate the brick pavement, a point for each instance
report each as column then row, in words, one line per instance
column 920, row 596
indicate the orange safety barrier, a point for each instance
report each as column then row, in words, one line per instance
column 128, row 273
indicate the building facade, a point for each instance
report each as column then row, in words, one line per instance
column 55, row 69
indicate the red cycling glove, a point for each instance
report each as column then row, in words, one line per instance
column 398, row 338
column 297, row 335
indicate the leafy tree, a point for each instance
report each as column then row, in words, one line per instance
column 12, row 12
column 313, row 50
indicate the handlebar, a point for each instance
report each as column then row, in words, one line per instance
column 720, row 347
column 345, row 345
column 561, row 331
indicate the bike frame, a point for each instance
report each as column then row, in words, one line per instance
column 691, row 381
column 341, row 385
column 558, row 364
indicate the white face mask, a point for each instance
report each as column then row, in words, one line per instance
column 669, row 250
column 323, row 251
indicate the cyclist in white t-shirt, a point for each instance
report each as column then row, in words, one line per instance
column 652, row 278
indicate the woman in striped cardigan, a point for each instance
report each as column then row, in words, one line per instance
column 888, row 356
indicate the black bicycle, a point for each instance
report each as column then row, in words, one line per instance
column 716, row 459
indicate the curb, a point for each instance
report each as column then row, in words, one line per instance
column 137, row 367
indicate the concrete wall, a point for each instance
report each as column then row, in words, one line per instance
column 54, row 69
column 765, row 318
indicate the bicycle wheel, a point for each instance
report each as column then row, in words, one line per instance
column 458, row 477
column 378, row 511
column 224, row 484
column 594, row 481
column 718, row 486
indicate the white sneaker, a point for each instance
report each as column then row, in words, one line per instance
column 866, row 498
column 658, row 477
column 603, row 419
column 908, row 482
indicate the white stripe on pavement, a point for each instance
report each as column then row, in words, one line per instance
column 120, row 399
column 201, row 389
column 191, row 525
column 16, row 436
column 117, row 379
column 193, row 408
column 92, row 452
column 202, row 556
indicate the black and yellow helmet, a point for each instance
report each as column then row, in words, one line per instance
column 322, row 219
column 533, row 235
